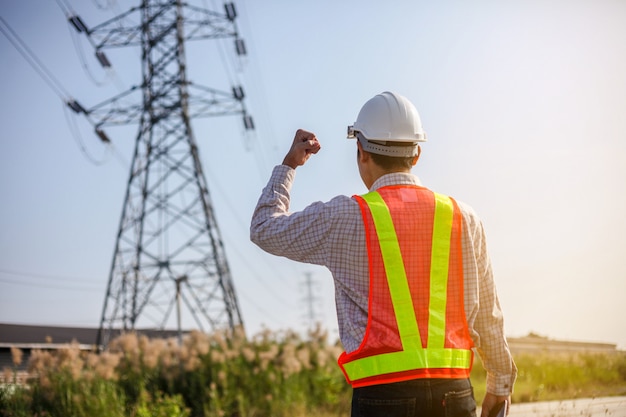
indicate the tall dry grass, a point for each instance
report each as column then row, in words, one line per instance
column 271, row 374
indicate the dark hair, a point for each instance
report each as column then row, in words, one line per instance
column 392, row 162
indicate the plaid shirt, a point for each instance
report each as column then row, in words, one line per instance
column 332, row 234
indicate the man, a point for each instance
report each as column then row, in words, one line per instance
column 413, row 282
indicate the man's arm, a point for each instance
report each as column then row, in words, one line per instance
column 300, row 236
column 493, row 349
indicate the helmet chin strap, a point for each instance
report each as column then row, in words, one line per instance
column 396, row 149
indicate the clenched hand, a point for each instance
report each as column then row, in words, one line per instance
column 304, row 145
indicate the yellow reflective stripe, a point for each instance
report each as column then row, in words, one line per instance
column 396, row 275
column 440, row 257
column 413, row 356
column 386, row 363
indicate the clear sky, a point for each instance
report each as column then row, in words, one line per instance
column 524, row 104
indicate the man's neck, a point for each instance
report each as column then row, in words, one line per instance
column 382, row 172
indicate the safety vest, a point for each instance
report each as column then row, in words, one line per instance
column 416, row 317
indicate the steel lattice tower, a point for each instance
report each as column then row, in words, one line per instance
column 168, row 253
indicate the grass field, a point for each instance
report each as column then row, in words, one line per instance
column 272, row 374
column 557, row 376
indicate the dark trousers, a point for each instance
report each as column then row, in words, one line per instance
column 416, row 398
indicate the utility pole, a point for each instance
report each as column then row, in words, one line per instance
column 168, row 252
column 179, row 325
column 310, row 299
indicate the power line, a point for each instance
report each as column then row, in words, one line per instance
column 35, row 280
column 67, row 9
column 261, row 162
column 255, row 79
column 49, row 286
column 83, row 60
column 261, row 310
column 244, row 226
column 34, row 62
column 260, row 280
column 71, row 122
column 108, row 4
column 76, row 23
column 53, row 83
column 40, row 275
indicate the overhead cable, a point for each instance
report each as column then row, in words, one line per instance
column 49, row 286
column 244, row 226
column 83, row 60
column 34, row 62
column 67, row 9
column 40, row 275
column 108, row 4
column 74, row 129
column 56, row 86
column 254, row 78
column 270, row 316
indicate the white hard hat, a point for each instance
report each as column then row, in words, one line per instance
column 388, row 124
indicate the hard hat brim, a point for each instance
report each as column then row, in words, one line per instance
column 395, row 149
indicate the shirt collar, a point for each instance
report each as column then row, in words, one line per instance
column 396, row 178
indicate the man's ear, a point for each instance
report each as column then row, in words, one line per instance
column 362, row 155
column 416, row 157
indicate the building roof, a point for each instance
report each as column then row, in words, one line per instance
column 23, row 334
column 536, row 343
column 28, row 334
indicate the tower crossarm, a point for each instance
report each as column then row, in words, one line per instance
column 123, row 30
column 206, row 24
column 118, row 31
column 125, row 108
column 122, row 109
column 207, row 102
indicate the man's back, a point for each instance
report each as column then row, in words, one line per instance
column 388, row 132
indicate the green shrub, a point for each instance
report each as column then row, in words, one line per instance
column 160, row 406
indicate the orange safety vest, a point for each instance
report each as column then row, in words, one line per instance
column 416, row 317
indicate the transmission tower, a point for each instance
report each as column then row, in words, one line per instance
column 310, row 300
column 168, row 252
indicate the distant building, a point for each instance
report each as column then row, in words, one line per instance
column 28, row 338
column 534, row 343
